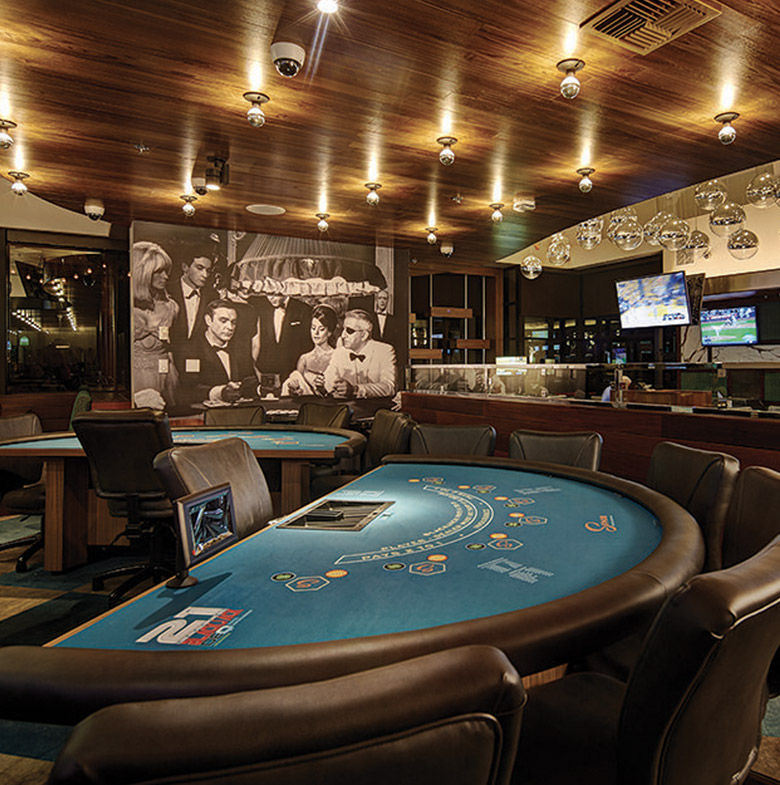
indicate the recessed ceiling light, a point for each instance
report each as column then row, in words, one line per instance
column 265, row 209
column 328, row 6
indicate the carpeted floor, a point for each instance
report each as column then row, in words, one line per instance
column 36, row 607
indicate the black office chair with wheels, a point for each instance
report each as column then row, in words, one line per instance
column 389, row 435
column 230, row 416
column 453, row 716
column 691, row 711
column 575, row 448
column 185, row 470
column 22, row 485
column 120, row 447
column 703, row 482
column 324, row 415
column 427, row 439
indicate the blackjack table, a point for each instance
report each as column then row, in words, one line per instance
column 71, row 509
column 542, row 561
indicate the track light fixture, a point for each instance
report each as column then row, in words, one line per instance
column 18, row 186
column 188, row 207
column 446, row 156
column 570, row 85
column 372, row 197
column 5, row 138
column 586, row 184
column 322, row 224
column 255, row 115
column 497, row 216
column 217, row 174
column 431, row 238
column 727, row 133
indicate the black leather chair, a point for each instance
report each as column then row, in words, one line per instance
column 575, row 448
column 81, row 403
column 230, row 416
column 22, row 485
column 691, row 711
column 324, row 415
column 185, row 470
column 427, row 439
column 120, row 447
column 389, row 435
column 450, row 717
column 703, row 482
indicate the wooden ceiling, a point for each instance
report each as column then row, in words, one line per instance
column 85, row 80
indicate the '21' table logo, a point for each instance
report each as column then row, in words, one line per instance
column 605, row 523
column 209, row 627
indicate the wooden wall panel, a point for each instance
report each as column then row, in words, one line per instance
column 629, row 435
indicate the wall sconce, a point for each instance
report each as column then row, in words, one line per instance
column 255, row 115
column 18, row 186
column 570, row 85
column 586, row 184
column 446, row 156
column 727, row 133
column 431, row 238
column 322, row 224
column 5, row 138
column 188, row 207
column 497, row 216
column 372, row 197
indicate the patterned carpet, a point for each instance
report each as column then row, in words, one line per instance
column 36, row 607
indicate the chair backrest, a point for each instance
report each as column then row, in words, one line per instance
column 694, row 702
column 324, row 415
column 575, row 448
column 427, row 439
column 185, row 470
column 235, row 415
column 82, row 403
column 389, row 435
column 22, row 470
column 449, row 717
column 120, row 448
column 753, row 517
column 701, row 481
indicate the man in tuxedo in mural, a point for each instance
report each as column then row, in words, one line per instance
column 284, row 334
column 361, row 367
column 381, row 301
column 214, row 369
column 192, row 294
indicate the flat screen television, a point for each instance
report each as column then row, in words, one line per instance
column 206, row 525
column 653, row 301
column 729, row 326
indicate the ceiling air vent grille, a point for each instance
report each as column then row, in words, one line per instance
column 644, row 25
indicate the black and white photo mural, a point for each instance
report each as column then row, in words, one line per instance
column 227, row 318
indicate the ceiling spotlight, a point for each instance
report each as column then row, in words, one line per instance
column 328, row 6
column 372, row 197
column 446, row 156
column 322, row 224
column 431, row 238
column 18, row 186
column 586, row 184
column 727, row 133
column 255, row 115
column 497, row 216
column 217, row 173
column 5, row 138
column 188, row 207
column 570, row 86
column 141, row 148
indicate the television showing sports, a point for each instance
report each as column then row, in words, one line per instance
column 729, row 326
column 653, row 301
column 207, row 524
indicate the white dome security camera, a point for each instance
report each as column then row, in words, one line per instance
column 288, row 58
column 94, row 209
column 199, row 185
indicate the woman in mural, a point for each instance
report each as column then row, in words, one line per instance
column 309, row 376
column 155, row 378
